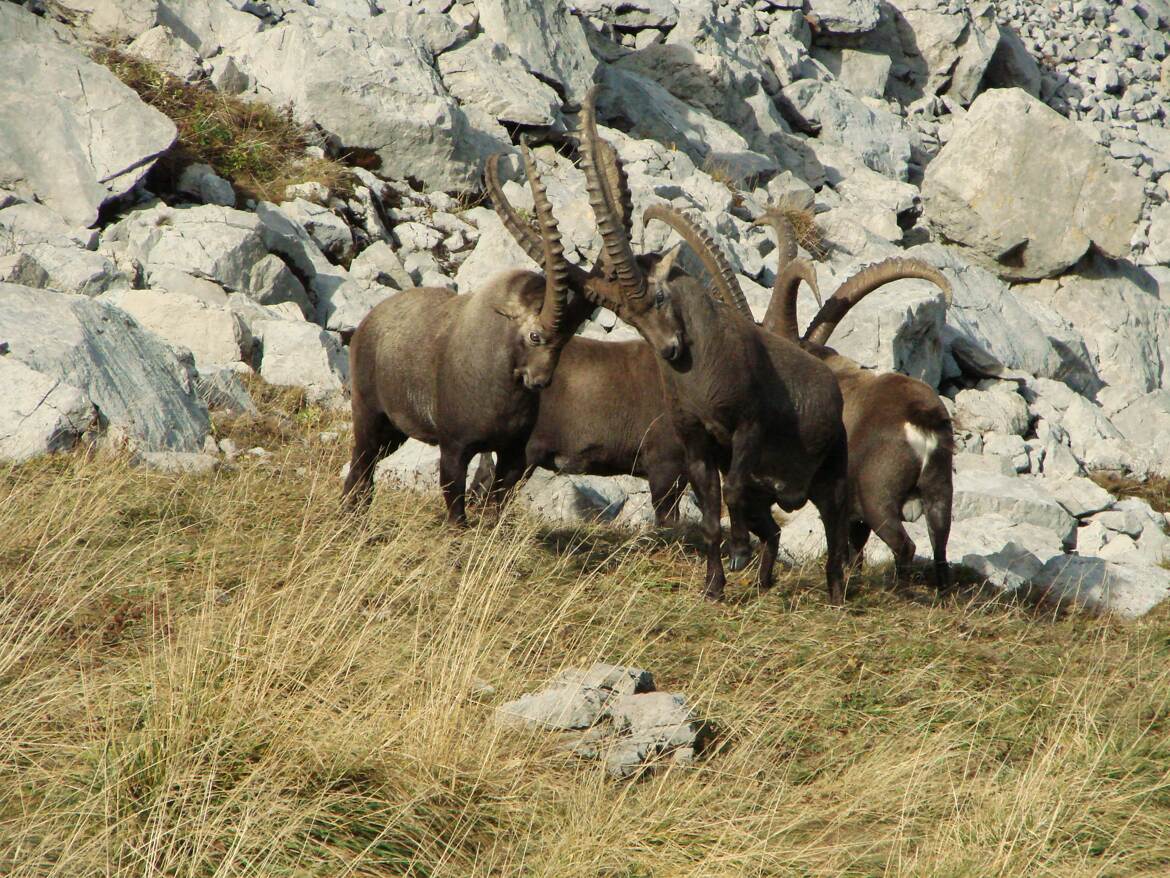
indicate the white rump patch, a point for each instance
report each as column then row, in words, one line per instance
column 923, row 442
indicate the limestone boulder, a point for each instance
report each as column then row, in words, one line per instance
column 373, row 90
column 133, row 378
column 72, row 136
column 878, row 137
column 39, row 414
column 1020, row 498
column 214, row 335
column 1128, row 591
column 844, row 16
column 485, row 74
column 300, row 354
column 1026, row 191
column 547, row 37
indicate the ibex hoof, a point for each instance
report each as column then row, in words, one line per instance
column 739, row 559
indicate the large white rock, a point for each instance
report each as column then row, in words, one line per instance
column 341, row 302
column 302, row 355
column 27, row 223
column 1126, row 590
column 207, row 27
column 167, row 52
column 546, row 37
column 844, row 16
column 1146, row 423
column 1026, row 190
column 991, row 330
column 72, row 136
column 943, row 47
column 877, row 136
column 1006, row 552
column 486, row 75
column 1123, row 313
column 133, row 378
column 117, row 19
column 214, row 335
column 38, row 414
column 998, row 411
column 1018, row 498
column 65, row 268
column 372, row 89
column 215, row 243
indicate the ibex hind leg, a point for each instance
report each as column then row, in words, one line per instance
column 859, row 533
column 666, row 490
column 937, row 492
column 703, row 472
column 453, row 461
column 374, row 438
column 885, row 518
column 511, row 466
column 830, row 495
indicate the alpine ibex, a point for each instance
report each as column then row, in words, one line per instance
column 460, row 371
column 739, row 399
column 900, row 439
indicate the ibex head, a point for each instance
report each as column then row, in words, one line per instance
column 537, row 311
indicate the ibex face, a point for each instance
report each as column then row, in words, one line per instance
column 653, row 313
column 534, row 350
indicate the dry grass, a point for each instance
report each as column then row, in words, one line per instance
column 808, row 234
column 259, row 149
column 221, row 675
column 1154, row 489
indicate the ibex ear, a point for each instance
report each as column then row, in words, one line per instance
column 661, row 271
column 513, row 306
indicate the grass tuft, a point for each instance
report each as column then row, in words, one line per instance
column 260, row 150
column 225, row 675
column 1154, row 489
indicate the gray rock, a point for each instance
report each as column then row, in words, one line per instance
column 208, row 241
column 74, row 137
column 116, row 19
column 329, row 231
column 1117, row 309
column 213, row 334
column 1012, row 65
column 879, row 138
column 486, row 75
column 629, row 13
column 167, row 52
column 843, row 16
column 39, row 414
column 379, row 264
column 221, row 389
column 863, row 73
column 1019, row 499
column 560, row 708
column 617, row 679
column 371, row 88
column 302, row 355
column 1146, row 422
column 180, row 462
column 341, row 303
column 271, row 282
column 133, row 378
column 1005, row 552
column 65, row 268
column 1128, row 591
column 205, row 186
column 943, row 47
column 549, row 40
column 1009, row 207
column 991, row 410
column 572, row 498
column 23, row 224
column 1080, row 497
column 1159, row 247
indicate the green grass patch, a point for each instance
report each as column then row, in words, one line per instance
column 258, row 148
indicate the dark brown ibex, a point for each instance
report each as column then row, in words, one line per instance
column 900, row 439
column 464, row 371
column 739, row 399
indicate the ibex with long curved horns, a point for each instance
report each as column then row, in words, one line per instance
column 738, row 399
column 461, row 371
column 900, row 439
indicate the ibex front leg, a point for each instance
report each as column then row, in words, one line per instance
column 453, row 461
column 703, row 469
column 745, row 447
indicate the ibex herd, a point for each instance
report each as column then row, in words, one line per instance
column 748, row 415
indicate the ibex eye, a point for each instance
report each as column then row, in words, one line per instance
column 660, row 298
column 534, row 337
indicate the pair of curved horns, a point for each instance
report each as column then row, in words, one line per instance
column 782, row 318
column 544, row 246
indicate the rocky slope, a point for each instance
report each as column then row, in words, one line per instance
column 1020, row 146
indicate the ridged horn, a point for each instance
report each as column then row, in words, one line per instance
column 781, row 318
column 619, row 186
column 785, row 235
column 709, row 253
column 556, row 267
column 619, row 256
column 865, row 282
column 519, row 229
